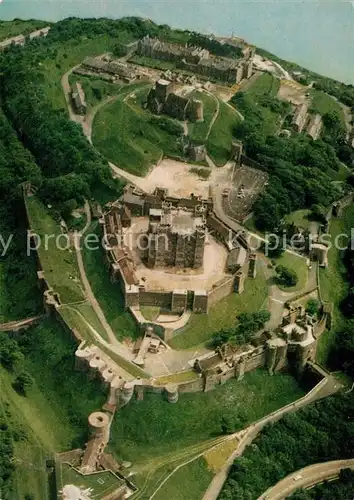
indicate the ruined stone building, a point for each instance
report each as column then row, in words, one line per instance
column 300, row 117
column 78, row 98
column 156, row 49
column 176, row 238
column 314, row 126
column 163, row 99
column 121, row 70
column 198, row 60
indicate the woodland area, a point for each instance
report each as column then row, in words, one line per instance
column 320, row 432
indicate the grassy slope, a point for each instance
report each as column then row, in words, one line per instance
column 123, row 133
column 333, row 281
column 297, row 264
column 190, row 481
column 9, row 29
column 201, row 327
column 60, row 266
column 68, row 55
column 323, row 103
column 152, row 427
column 220, row 138
column 264, row 84
column 108, row 294
column 54, row 413
column 198, row 131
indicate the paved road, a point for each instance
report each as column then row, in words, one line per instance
column 305, row 478
column 326, row 387
column 12, row 326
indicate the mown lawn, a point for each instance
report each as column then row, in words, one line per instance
column 299, row 218
column 297, row 264
column 198, row 131
column 153, row 427
column 190, row 481
column 201, row 327
column 56, row 253
column 108, row 294
column 131, row 137
column 221, row 135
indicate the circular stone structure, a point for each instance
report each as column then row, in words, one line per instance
column 127, row 392
column 172, row 393
column 98, row 423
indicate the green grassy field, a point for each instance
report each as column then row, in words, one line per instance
column 198, row 131
column 190, row 481
column 220, row 138
column 153, row 427
column 297, row 264
column 323, row 103
column 59, row 265
column 201, row 327
column 108, row 294
column 264, row 84
column 152, row 63
column 131, row 138
column 15, row 27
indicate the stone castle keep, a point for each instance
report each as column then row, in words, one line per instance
column 164, row 99
column 175, row 239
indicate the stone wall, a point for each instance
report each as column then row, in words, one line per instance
column 153, row 298
column 221, row 291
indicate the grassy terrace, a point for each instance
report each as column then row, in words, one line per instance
column 152, row 427
column 131, row 137
column 108, row 294
column 201, row 327
column 220, row 138
column 59, row 266
column 198, row 131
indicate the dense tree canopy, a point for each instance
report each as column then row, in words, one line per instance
column 320, row 432
column 301, row 170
